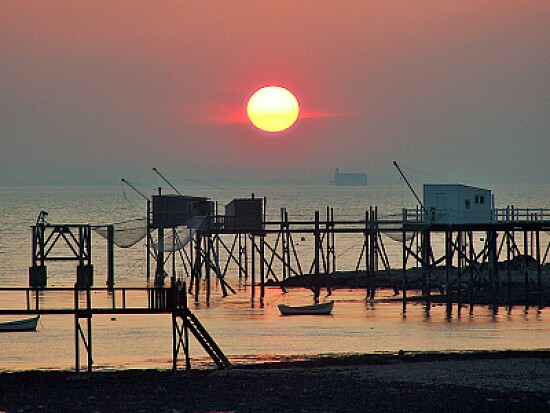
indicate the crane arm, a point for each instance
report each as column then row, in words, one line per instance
column 166, row 180
column 409, row 185
column 134, row 188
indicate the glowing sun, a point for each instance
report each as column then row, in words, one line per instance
column 272, row 109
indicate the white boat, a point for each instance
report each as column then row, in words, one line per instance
column 314, row 309
column 27, row 324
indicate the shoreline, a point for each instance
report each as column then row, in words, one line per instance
column 469, row 381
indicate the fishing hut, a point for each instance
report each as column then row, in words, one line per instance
column 170, row 212
column 244, row 214
column 458, row 204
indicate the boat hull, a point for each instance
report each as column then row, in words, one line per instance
column 315, row 309
column 28, row 324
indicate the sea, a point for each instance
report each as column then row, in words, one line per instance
column 246, row 330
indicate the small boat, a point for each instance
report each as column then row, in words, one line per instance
column 28, row 324
column 314, row 309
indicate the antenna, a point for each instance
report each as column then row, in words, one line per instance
column 134, row 188
column 166, row 180
column 409, row 185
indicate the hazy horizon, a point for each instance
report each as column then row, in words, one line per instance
column 92, row 92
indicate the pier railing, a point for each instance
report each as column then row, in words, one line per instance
column 67, row 300
column 510, row 214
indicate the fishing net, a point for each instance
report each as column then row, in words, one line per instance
column 174, row 239
column 398, row 236
column 126, row 233
column 130, row 232
column 177, row 238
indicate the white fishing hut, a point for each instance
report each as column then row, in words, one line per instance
column 457, row 204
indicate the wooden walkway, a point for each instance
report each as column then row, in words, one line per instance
column 131, row 301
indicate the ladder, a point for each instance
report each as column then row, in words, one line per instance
column 207, row 342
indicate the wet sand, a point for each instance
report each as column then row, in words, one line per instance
column 466, row 382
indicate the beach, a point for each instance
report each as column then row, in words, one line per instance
column 454, row 382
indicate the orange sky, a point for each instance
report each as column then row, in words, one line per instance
column 459, row 89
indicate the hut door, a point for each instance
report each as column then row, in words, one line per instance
column 440, row 201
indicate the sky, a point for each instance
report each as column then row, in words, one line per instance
column 95, row 91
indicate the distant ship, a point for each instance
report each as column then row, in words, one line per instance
column 349, row 179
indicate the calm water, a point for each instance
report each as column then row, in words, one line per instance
column 244, row 332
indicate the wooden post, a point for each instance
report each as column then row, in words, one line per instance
column 111, row 256
column 148, row 258
column 89, row 322
column 372, row 250
column 262, row 269
column 76, row 331
column 526, row 263
column 508, row 271
column 367, row 253
column 198, row 265
column 493, row 263
column 253, row 268
column 471, row 256
column 426, row 249
column 317, row 234
column 329, row 235
column 332, row 240
column 191, row 255
column 284, row 244
column 207, row 262
column 240, row 255
column 174, row 342
column 448, row 267
column 459, row 242
column 539, row 269
column 404, row 262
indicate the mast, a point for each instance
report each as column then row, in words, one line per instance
column 409, row 185
column 166, row 180
column 135, row 189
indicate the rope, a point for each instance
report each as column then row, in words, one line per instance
column 196, row 182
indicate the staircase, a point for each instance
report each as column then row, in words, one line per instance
column 202, row 336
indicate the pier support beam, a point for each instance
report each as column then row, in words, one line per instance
column 78, row 330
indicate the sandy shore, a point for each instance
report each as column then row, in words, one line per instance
column 472, row 382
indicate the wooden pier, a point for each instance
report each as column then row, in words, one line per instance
column 464, row 264
column 158, row 300
column 459, row 261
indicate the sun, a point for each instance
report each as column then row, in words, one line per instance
column 273, row 108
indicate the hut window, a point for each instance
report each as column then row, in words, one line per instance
column 482, row 200
column 467, row 202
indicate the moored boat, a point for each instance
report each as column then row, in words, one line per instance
column 27, row 324
column 314, row 309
